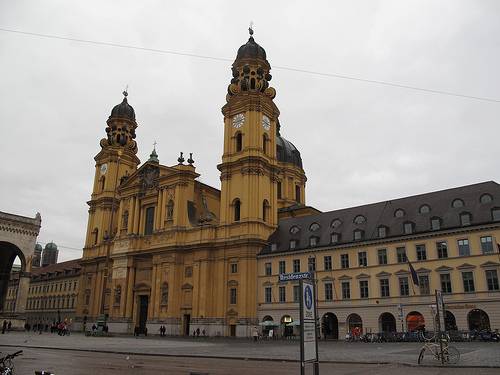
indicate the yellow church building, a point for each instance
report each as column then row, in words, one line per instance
column 163, row 249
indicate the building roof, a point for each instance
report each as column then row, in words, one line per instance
column 392, row 214
column 58, row 267
column 123, row 110
column 286, row 152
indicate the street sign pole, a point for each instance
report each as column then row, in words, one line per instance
column 440, row 315
column 301, row 301
column 316, row 363
column 308, row 326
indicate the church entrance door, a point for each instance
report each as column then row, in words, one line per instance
column 143, row 313
column 187, row 319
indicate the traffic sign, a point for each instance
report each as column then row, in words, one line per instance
column 308, row 335
column 295, row 276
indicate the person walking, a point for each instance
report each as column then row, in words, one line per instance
column 9, row 326
column 4, row 327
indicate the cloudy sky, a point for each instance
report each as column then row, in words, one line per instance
column 360, row 142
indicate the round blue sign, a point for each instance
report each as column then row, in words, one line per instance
column 308, row 298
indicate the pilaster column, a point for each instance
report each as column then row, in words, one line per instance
column 158, row 210
column 22, row 294
column 130, row 292
column 154, row 302
column 137, row 214
column 131, row 213
column 119, row 218
column 163, row 208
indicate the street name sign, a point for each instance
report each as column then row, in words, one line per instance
column 295, row 276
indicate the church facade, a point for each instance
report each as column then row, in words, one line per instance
column 163, row 248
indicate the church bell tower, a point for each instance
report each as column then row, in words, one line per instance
column 116, row 160
column 249, row 165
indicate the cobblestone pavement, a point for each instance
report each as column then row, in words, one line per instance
column 472, row 354
column 84, row 363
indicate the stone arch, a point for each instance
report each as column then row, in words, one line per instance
column 478, row 320
column 450, row 322
column 330, row 326
column 387, row 322
column 355, row 324
column 17, row 239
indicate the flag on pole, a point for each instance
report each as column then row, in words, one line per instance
column 414, row 275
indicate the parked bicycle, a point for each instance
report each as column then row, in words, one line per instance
column 441, row 351
column 6, row 364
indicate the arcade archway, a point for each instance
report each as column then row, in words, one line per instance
column 355, row 324
column 415, row 321
column 478, row 320
column 330, row 326
column 387, row 322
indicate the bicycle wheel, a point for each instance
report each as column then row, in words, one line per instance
column 421, row 355
column 451, row 355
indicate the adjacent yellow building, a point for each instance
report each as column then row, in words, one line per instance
column 360, row 257
column 162, row 248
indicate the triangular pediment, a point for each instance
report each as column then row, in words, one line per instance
column 232, row 283
column 490, row 264
column 383, row 274
column 327, row 278
column 465, row 266
column 187, row 286
column 345, row 277
column 423, row 270
column 362, row 276
column 401, row 272
column 443, row 269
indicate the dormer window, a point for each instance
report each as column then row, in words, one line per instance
column 486, row 198
column 293, row 244
column 336, row 223
column 399, row 213
column 457, row 203
column 294, row 230
column 465, row 219
column 314, row 227
column 274, row 247
column 424, row 209
column 335, row 238
column 358, row 235
column 408, row 228
column 360, row 219
column 495, row 214
column 435, row 223
column 313, row 241
column 382, row 232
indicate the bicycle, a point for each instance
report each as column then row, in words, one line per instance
column 6, row 365
column 449, row 354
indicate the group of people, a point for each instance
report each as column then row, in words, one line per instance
column 196, row 332
column 6, row 326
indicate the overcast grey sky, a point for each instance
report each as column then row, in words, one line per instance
column 360, row 142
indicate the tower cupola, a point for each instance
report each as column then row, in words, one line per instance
column 121, row 127
column 251, row 70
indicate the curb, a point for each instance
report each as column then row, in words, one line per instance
column 241, row 358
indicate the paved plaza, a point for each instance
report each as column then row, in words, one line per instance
column 218, row 351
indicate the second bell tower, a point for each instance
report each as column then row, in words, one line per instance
column 249, row 164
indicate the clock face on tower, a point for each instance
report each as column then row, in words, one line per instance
column 266, row 123
column 104, row 169
column 238, row 120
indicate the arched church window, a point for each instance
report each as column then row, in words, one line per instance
column 164, row 294
column 103, row 182
column 265, row 140
column 279, row 189
column 125, row 220
column 297, row 193
column 237, row 209
column 96, row 235
column 118, row 295
column 239, row 142
column 170, row 209
column 265, row 208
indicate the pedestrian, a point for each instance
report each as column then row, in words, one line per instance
column 145, row 331
column 198, row 331
column 4, row 327
column 204, row 333
column 255, row 334
column 9, row 326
